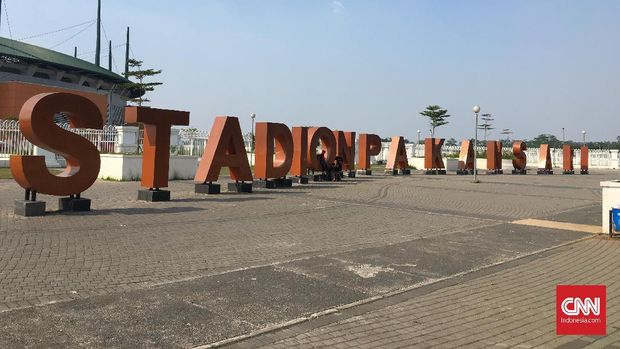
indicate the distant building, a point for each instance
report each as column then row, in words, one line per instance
column 27, row 70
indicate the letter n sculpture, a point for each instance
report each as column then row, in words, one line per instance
column 494, row 157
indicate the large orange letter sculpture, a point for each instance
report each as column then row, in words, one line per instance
column 299, row 168
column 224, row 148
column 568, row 153
column 345, row 147
column 466, row 158
column 584, row 160
column 37, row 125
column 519, row 160
column 369, row 145
column 156, row 147
column 274, row 153
column 327, row 142
column 397, row 157
column 544, row 160
column 433, row 163
column 494, row 157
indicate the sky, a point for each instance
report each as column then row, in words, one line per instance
column 356, row 65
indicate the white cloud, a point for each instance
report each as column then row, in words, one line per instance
column 337, row 7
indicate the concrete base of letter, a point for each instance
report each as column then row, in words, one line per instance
column 74, row 204
column 283, row 183
column 519, row 172
column 364, row 172
column 240, row 187
column 299, row 180
column 207, row 188
column 265, row 183
column 27, row 208
column 544, row 171
column 153, row 195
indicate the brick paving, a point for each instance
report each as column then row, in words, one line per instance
column 512, row 308
column 126, row 246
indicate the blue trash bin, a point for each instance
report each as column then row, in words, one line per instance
column 615, row 219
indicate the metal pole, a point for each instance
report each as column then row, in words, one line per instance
column 252, row 141
column 110, row 55
column 563, row 136
column 127, row 54
column 98, row 44
column 476, row 150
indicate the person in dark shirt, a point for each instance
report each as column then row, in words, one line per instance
column 325, row 167
column 338, row 164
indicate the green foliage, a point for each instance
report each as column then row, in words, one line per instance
column 451, row 142
column 437, row 117
column 140, row 87
column 556, row 143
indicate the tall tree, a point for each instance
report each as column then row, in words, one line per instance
column 140, row 87
column 437, row 117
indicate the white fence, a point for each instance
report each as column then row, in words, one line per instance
column 13, row 142
column 192, row 142
column 598, row 158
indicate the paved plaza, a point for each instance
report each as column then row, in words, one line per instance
column 379, row 261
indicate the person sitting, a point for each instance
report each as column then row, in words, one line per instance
column 325, row 167
column 338, row 164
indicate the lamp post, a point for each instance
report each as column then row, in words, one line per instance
column 563, row 136
column 583, row 134
column 253, row 116
column 417, row 145
column 476, row 110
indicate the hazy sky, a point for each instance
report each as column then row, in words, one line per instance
column 367, row 66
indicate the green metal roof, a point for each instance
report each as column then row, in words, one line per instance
column 35, row 54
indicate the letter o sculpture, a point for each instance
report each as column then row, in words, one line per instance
column 328, row 142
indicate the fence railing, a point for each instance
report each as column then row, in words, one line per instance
column 192, row 142
column 13, row 142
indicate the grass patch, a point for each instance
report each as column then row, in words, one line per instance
column 5, row 172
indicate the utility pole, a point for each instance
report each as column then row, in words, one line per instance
column 98, row 45
column 0, row 13
column 110, row 55
column 127, row 54
column 75, row 52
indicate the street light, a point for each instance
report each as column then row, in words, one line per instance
column 253, row 116
column 563, row 136
column 583, row 133
column 476, row 110
column 417, row 145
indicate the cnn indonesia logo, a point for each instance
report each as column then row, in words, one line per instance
column 580, row 310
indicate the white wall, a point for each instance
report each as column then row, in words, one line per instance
column 122, row 167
